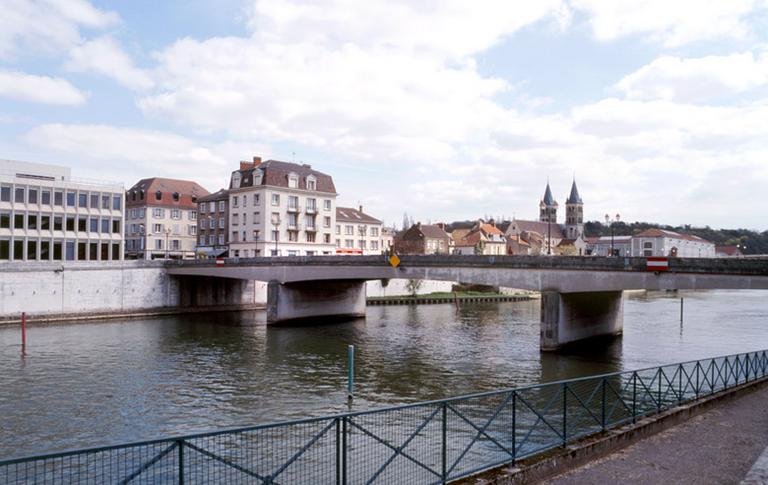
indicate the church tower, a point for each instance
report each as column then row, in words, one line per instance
column 574, row 214
column 548, row 207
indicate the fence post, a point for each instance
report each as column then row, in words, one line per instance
column 565, row 411
column 444, row 473
column 746, row 358
column 602, row 405
column 634, row 396
column 338, row 451
column 697, row 379
column 344, row 451
column 514, row 426
column 180, row 445
column 712, row 382
column 680, row 383
column 658, row 402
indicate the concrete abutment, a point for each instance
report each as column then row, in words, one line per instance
column 287, row 302
column 567, row 318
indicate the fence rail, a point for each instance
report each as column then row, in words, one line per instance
column 430, row 442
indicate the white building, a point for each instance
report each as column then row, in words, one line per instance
column 281, row 209
column 601, row 246
column 357, row 232
column 161, row 219
column 660, row 242
column 46, row 215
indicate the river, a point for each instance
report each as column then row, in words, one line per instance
column 104, row 382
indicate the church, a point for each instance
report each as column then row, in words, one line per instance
column 546, row 236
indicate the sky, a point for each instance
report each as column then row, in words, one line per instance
column 444, row 109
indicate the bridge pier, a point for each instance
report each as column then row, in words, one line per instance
column 567, row 318
column 304, row 300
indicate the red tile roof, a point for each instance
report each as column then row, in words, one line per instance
column 651, row 233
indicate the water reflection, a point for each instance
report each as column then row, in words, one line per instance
column 104, row 382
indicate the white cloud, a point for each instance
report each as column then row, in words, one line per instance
column 672, row 23
column 104, row 56
column 687, row 80
column 115, row 153
column 49, row 26
column 39, row 89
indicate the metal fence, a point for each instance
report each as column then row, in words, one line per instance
column 431, row 442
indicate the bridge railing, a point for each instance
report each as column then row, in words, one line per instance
column 430, row 442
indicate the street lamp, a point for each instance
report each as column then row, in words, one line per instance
column 549, row 232
column 167, row 233
column 143, row 243
column 610, row 223
column 276, row 223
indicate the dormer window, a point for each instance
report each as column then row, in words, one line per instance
column 293, row 181
column 158, row 195
column 176, row 196
column 141, row 194
column 311, row 183
column 257, row 175
column 133, row 195
column 236, row 180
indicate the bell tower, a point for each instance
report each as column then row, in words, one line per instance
column 548, row 207
column 574, row 214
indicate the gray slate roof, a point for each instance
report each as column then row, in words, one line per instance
column 574, row 198
column 548, row 199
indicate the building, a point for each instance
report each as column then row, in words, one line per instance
column 732, row 251
column 484, row 238
column 423, row 239
column 357, row 232
column 161, row 218
column 546, row 236
column 518, row 246
column 601, row 246
column 281, row 209
column 46, row 215
column 661, row 242
column 213, row 225
column 387, row 239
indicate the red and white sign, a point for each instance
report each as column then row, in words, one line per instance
column 219, row 261
column 657, row 264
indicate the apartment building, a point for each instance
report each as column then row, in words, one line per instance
column 661, row 242
column 161, row 219
column 280, row 209
column 357, row 232
column 46, row 215
column 213, row 225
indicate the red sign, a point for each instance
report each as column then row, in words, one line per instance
column 219, row 261
column 657, row 264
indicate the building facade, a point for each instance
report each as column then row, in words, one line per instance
column 661, row 242
column 281, row 209
column 357, row 233
column 484, row 238
column 423, row 239
column 46, row 215
column 213, row 225
column 161, row 219
column 601, row 246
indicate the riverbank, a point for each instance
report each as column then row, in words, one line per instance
column 446, row 297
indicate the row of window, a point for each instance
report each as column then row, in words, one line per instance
column 211, row 223
column 361, row 244
column 134, row 194
column 361, row 230
column 159, row 244
column 293, row 236
column 212, row 240
column 58, row 250
column 159, row 213
column 293, row 202
column 56, row 198
column 69, row 222
column 174, row 229
column 210, row 207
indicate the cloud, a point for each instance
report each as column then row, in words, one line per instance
column 47, row 26
column 688, row 80
column 39, row 89
column 104, row 56
column 131, row 154
column 672, row 23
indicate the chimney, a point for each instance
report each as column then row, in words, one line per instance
column 441, row 225
column 418, row 224
column 245, row 165
column 360, row 208
column 256, row 161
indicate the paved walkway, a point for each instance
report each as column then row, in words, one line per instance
column 716, row 447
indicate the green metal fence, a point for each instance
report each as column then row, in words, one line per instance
column 431, row 442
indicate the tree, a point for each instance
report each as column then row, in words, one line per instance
column 413, row 287
column 406, row 223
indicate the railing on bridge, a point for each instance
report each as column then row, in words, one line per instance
column 431, row 442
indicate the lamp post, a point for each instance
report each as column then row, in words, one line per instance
column 167, row 233
column 610, row 223
column 143, row 241
column 549, row 231
column 276, row 223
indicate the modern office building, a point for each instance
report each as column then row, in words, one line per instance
column 161, row 219
column 280, row 209
column 357, row 232
column 213, row 225
column 47, row 215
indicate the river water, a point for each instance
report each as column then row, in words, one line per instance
column 104, row 382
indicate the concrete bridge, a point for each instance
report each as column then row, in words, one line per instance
column 581, row 296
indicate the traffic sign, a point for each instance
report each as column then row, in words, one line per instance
column 657, row 264
column 394, row 261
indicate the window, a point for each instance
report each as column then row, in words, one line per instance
column 158, row 244
column 327, row 238
column 82, row 200
column 309, row 221
column 203, row 223
column 213, row 223
column 293, row 236
column 202, row 207
column 58, row 199
column 293, row 181
column 45, row 250
column 327, row 204
column 374, row 232
column 105, row 201
column 70, row 199
column 158, row 195
column 235, row 219
column 256, row 235
column 175, row 214
column 293, row 202
column 349, row 230
column 157, row 228
column 374, row 245
column 275, row 235
column 45, row 222
column 116, row 202
column 648, row 245
column 45, row 197
column 222, row 206
column 104, row 256
column 212, row 239
column 235, row 201
column 18, row 249
column 348, row 243
column 221, row 222
column 311, row 206
column 31, row 249
column 18, row 221
column 5, row 248
column 32, row 196
column 361, row 244
column 94, row 224
column 57, row 250
column 176, row 196
column 311, row 183
column 175, row 244
column 32, row 221
column 94, row 201
column 158, row 213
column 236, row 180
column 244, row 237
column 256, row 218
column 105, row 225
column 245, row 200
column 221, row 239
column 5, row 220
column 311, row 237
column 234, row 236
column 326, row 221
column 275, row 199
column 82, row 224
column 70, row 248
column 361, row 230
column 18, row 195
column 5, row 194
column 245, row 217
column 338, row 229
column 115, row 251
column 57, row 223
column 212, row 206
column 192, row 215
column 293, row 220
column 256, row 199
column 142, row 213
column 70, row 223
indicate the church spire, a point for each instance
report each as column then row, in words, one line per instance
column 548, row 199
column 574, row 198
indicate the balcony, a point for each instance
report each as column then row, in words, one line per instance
column 311, row 209
column 293, row 226
column 294, row 208
column 311, row 229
